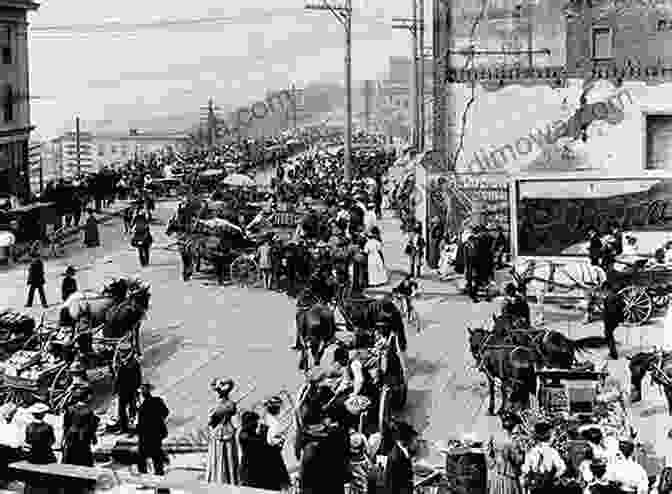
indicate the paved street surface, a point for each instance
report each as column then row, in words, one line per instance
column 198, row 331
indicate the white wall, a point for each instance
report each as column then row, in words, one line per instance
column 515, row 119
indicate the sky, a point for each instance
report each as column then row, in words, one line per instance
column 136, row 74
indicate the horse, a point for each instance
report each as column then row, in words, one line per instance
column 316, row 328
column 127, row 315
column 513, row 365
column 659, row 365
column 368, row 314
column 474, row 259
column 92, row 307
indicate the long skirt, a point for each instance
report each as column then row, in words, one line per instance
column 223, row 456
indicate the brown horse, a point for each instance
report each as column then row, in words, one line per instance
column 514, row 366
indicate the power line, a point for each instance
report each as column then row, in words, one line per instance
column 134, row 28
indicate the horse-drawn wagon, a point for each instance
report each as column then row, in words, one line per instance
column 97, row 333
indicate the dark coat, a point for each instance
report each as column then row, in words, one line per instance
column 36, row 272
column 91, row 234
column 40, row 437
column 252, row 469
column 613, row 309
column 80, row 424
column 152, row 416
column 128, row 380
column 398, row 473
column 595, row 250
column 68, row 287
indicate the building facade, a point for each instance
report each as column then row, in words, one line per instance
column 15, row 124
column 113, row 149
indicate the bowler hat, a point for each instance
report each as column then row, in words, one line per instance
column 69, row 271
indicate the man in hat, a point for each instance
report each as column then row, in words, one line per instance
column 69, row 284
column 36, row 280
column 278, row 476
column 152, row 429
column 613, row 314
column 594, row 246
column 543, row 464
column 626, row 473
column 40, row 436
column 399, row 468
column 126, row 385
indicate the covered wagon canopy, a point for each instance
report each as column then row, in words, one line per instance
column 217, row 226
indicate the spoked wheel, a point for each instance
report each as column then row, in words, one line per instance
column 244, row 271
column 638, row 305
column 60, row 390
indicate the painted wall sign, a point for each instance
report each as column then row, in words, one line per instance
column 555, row 223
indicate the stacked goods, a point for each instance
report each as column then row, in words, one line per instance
column 13, row 322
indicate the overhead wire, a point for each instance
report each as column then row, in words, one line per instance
column 132, row 29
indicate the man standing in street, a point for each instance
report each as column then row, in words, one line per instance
column 626, row 473
column 36, row 280
column 152, row 430
column 399, row 468
column 612, row 316
column 127, row 382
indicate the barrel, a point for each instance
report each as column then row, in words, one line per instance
column 467, row 471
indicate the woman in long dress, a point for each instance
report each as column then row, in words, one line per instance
column 504, row 460
column 222, row 465
column 376, row 262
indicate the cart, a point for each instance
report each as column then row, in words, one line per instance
column 41, row 374
column 644, row 289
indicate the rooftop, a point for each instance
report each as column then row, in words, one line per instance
column 19, row 4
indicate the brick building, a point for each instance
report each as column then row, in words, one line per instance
column 15, row 125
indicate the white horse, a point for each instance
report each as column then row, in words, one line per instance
column 541, row 277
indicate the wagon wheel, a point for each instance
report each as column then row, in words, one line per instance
column 244, row 271
column 638, row 304
column 60, row 389
column 124, row 349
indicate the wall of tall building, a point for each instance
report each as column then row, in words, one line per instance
column 14, row 102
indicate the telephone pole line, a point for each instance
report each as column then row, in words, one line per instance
column 344, row 15
column 77, row 147
column 420, row 53
column 412, row 26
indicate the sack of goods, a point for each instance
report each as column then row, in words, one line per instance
column 13, row 323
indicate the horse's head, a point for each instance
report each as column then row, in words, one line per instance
column 639, row 365
column 477, row 338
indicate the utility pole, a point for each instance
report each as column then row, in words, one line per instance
column 294, row 107
column 212, row 124
column 344, row 15
column 420, row 52
column 412, row 26
column 77, row 147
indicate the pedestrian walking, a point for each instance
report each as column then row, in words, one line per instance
column 628, row 475
column 415, row 246
column 377, row 274
column 91, row 232
column 612, row 316
column 36, row 280
column 69, row 283
column 142, row 237
column 370, row 217
column 152, row 430
column 265, row 261
column 126, row 385
column 436, row 234
column 186, row 247
column 128, row 220
column 223, row 456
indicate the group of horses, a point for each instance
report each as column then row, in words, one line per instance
column 322, row 418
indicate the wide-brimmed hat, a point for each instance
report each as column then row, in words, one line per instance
column 38, row 409
column 70, row 270
column 147, row 385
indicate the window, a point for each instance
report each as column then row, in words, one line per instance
column 6, row 44
column 8, row 104
column 602, row 43
column 658, row 142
